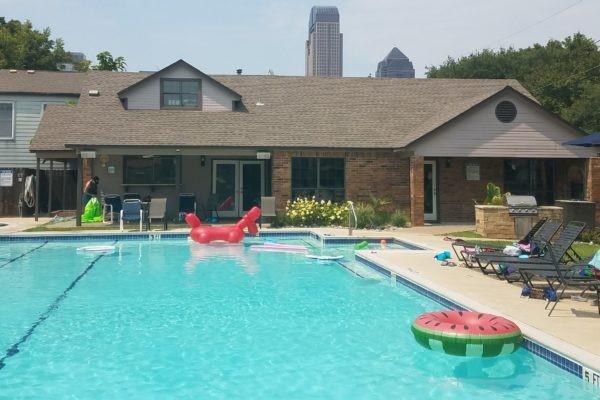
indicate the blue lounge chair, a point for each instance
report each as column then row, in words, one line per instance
column 132, row 212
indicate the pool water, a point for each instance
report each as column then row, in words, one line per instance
column 172, row 319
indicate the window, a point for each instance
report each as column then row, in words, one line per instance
column 183, row 93
column 320, row 177
column 530, row 177
column 149, row 170
column 7, row 120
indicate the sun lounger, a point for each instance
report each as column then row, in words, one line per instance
column 157, row 210
column 485, row 260
column 463, row 249
column 132, row 212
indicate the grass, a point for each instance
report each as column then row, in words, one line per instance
column 463, row 234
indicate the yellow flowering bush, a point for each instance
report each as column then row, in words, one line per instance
column 308, row 211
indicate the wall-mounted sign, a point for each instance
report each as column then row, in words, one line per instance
column 6, row 177
column 472, row 172
column 111, row 169
column 88, row 154
column 263, row 155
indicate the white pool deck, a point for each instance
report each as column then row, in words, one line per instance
column 573, row 329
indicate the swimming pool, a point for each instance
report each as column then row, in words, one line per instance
column 174, row 319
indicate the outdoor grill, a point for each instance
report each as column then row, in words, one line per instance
column 521, row 205
column 523, row 209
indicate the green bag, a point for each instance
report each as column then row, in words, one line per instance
column 92, row 211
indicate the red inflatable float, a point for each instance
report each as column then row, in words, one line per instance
column 467, row 333
column 232, row 234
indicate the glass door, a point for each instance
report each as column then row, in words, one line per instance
column 251, row 184
column 430, row 190
column 237, row 186
column 225, row 187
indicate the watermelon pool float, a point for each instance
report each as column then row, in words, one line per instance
column 467, row 333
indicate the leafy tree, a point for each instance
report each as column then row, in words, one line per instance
column 22, row 47
column 563, row 75
column 106, row 62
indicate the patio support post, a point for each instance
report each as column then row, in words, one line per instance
column 64, row 185
column 50, row 176
column 78, row 192
column 37, row 188
column 417, row 191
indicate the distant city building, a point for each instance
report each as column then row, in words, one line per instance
column 76, row 57
column 324, row 55
column 395, row 65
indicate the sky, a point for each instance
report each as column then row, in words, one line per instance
column 219, row 37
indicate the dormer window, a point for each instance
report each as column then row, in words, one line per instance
column 180, row 93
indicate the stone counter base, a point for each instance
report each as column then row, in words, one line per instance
column 494, row 221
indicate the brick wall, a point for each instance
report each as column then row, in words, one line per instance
column 456, row 195
column 378, row 174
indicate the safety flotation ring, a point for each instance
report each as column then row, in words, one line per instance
column 467, row 333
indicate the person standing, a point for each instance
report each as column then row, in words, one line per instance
column 90, row 190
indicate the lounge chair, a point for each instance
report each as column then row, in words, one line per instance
column 267, row 208
column 558, row 275
column 132, row 212
column 561, row 247
column 484, row 259
column 134, row 196
column 465, row 249
column 157, row 210
column 112, row 205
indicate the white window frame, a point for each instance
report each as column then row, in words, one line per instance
column 14, row 115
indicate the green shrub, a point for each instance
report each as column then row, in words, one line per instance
column 364, row 215
column 279, row 220
column 398, row 219
column 591, row 235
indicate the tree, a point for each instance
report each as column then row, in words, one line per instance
column 22, row 47
column 563, row 75
column 106, row 62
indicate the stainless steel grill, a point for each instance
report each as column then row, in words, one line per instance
column 521, row 205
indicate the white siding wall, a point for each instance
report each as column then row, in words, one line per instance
column 28, row 113
column 147, row 95
column 533, row 134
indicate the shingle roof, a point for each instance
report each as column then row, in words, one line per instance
column 41, row 82
column 297, row 112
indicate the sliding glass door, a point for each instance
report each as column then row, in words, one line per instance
column 237, row 185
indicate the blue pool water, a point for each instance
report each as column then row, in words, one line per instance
column 170, row 319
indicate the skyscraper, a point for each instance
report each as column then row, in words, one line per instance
column 395, row 65
column 324, row 44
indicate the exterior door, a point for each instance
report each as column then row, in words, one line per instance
column 237, row 185
column 430, row 190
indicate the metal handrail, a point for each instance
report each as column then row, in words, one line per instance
column 351, row 212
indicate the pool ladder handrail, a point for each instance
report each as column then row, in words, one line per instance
column 351, row 213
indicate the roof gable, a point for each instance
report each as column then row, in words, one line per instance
column 178, row 63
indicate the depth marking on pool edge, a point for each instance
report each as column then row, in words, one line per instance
column 24, row 254
column 14, row 349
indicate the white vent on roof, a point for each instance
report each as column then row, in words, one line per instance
column 12, row 71
column 94, row 92
column 259, row 103
column 31, row 71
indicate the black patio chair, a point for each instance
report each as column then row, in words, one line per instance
column 463, row 249
column 112, row 205
column 485, row 260
column 558, row 274
column 560, row 249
